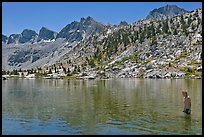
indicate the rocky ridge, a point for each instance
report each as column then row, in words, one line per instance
column 77, row 31
column 149, row 48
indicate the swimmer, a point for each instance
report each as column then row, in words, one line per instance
column 187, row 103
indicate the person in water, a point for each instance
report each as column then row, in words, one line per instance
column 187, row 103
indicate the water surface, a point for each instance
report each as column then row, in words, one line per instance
column 115, row 106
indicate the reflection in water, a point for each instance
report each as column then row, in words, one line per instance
column 117, row 106
column 187, row 122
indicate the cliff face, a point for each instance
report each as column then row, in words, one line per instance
column 46, row 34
column 149, row 48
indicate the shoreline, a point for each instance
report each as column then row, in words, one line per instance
column 96, row 78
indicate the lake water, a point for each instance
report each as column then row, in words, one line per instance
column 115, row 106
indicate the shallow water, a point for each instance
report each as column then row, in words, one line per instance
column 115, row 106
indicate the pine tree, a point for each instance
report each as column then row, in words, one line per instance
column 15, row 72
column 68, row 72
column 189, row 21
column 154, row 41
column 141, row 37
column 136, row 35
column 165, row 27
column 50, row 71
column 158, row 29
column 91, row 61
column 175, row 31
column 182, row 20
column 32, row 71
column 153, row 30
column 78, row 70
column 55, row 69
column 171, row 21
column 64, row 70
column 3, row 72
column 199, row 22
column 148, row 32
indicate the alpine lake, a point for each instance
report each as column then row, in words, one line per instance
column 100, row 107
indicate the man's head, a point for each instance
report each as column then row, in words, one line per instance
column 184, row 93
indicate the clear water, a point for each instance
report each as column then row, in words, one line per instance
column 116, row 106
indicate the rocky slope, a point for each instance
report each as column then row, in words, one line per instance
column 29, row 50
column 149, row 48
column 28, row 56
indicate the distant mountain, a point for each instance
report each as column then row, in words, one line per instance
column 76, row 31
column 86, row 27
column 27, row 35
column 14, row 38
column 166, row 48
column 46, row 34
column 4, row 38
column 166, row 11
column 123, row 23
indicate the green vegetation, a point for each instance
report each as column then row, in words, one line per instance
column 40, row 75
column 191, row 72
column 175, row 31
column 154, row 41
column 165, row 27
column 149, row 67
column 189, row 21
column 91, row 62
column 183, row 55
column 133, row 58
column 148, row 60
column 68, row 77
column 188, row 69
column 158, row 31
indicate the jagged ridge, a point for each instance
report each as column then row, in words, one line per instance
column 143, row 49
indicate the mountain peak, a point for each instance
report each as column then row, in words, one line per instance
column 166, row 11
column 123, row 23
column 44, row 28
column 4, row 38
column 86, row 20
column 78, row 30
column 46, row 34
column 27, row 35
column 89, row 18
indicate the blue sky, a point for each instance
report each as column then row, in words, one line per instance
column 17, row 16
